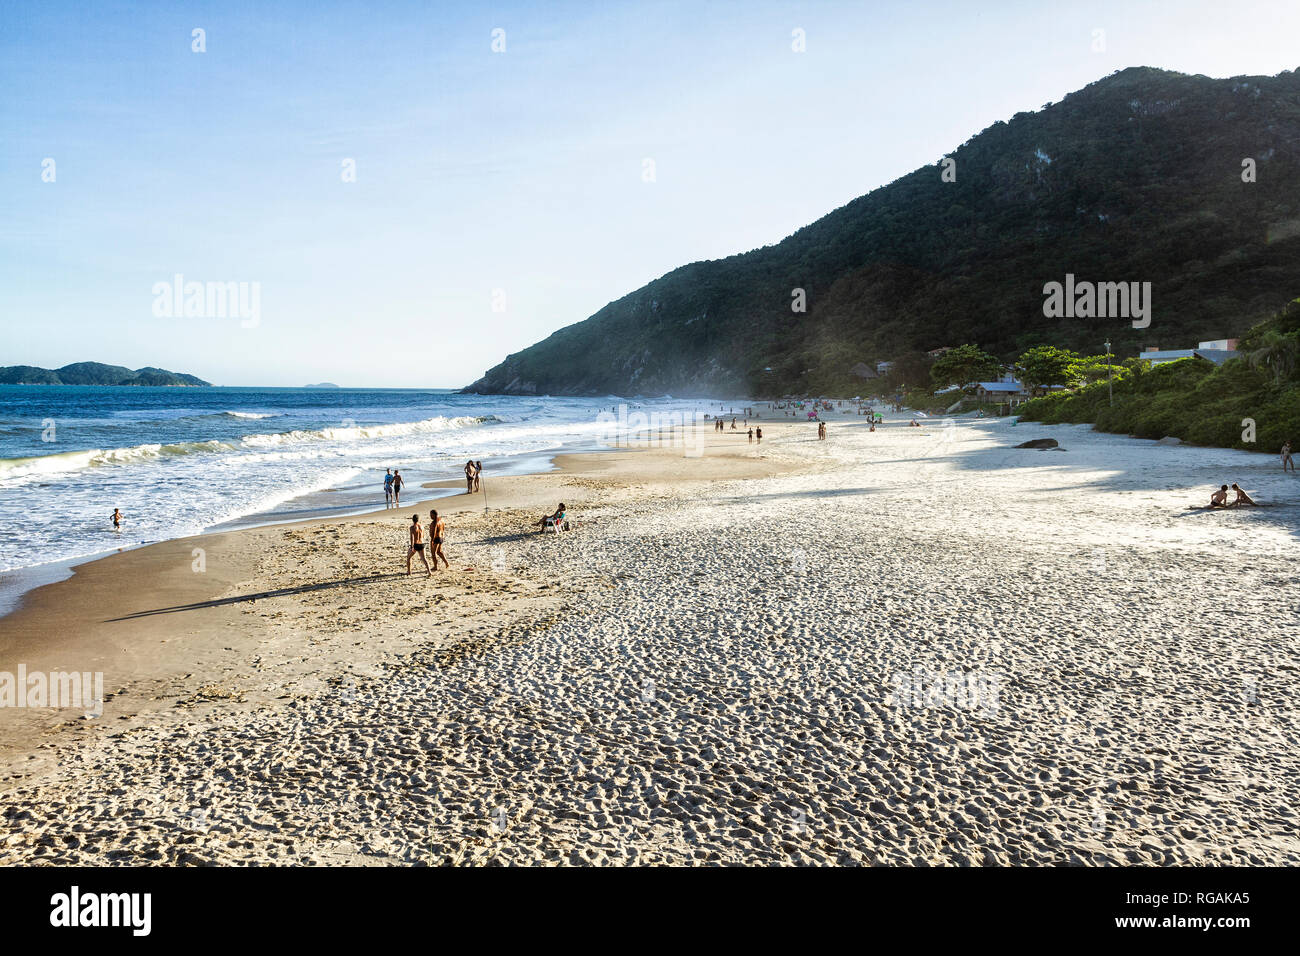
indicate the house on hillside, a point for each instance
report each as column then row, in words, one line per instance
column 863, row 370
column 1217, row 351
column 882, row 368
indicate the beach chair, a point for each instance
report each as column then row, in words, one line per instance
column 557, row 526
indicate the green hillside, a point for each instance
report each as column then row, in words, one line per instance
column 1137, row 177
column 93, row 373
column 1252, row 402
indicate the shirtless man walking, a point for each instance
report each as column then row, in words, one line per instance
column 436, row 528
column 397, row 489
column 416, row 534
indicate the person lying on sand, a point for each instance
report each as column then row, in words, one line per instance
column 1242, row 498
column 1220, row 498
column 416, row 534
column 555, row 519
column 436, row 528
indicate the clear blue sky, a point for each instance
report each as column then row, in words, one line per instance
column 476, row 170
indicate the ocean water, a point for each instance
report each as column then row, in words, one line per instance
column 179, row 461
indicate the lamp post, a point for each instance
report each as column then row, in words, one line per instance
column 1110, row 385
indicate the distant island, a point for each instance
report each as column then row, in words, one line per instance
column 94, row 373
column 322, row 385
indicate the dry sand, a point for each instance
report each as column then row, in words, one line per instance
column 915, row 646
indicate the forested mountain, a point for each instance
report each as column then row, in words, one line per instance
column 1135, row 178
column 93, row 373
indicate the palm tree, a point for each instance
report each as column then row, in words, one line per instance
column 1276, row 352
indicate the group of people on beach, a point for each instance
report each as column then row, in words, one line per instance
column 393, row 483
column 473, row 476
column 1220, row 498
column 418, row 543
column 392, row 488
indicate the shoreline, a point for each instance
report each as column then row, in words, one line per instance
column 71, row 619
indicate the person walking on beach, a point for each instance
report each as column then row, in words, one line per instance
column 1286, row 456
column 758, row 433
column 469, row 477
column 388, row 489
column 416, row 534
column 478, row 476
column 437, row 526
column 397, row 489
column 117, row 520
column 751, row 436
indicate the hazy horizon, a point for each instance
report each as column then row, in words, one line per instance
column 485, row 178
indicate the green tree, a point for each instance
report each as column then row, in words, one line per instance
column 963, row 365
column 1095, row 368
column 1277, row 352
column 1047, row 365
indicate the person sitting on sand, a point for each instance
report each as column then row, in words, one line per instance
column 1242, row 498
column 437, row 527
column 416, row 534
column 1220, row 498
column 554, row 520
column 1286, row 455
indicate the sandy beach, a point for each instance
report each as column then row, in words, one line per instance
column 912, row 646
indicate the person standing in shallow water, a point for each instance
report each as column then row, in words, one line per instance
column 388, row 489
column 397, row 489
column 117, row 519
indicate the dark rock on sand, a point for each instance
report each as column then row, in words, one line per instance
column 1039, row 443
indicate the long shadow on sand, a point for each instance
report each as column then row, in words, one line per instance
column 241, row 598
